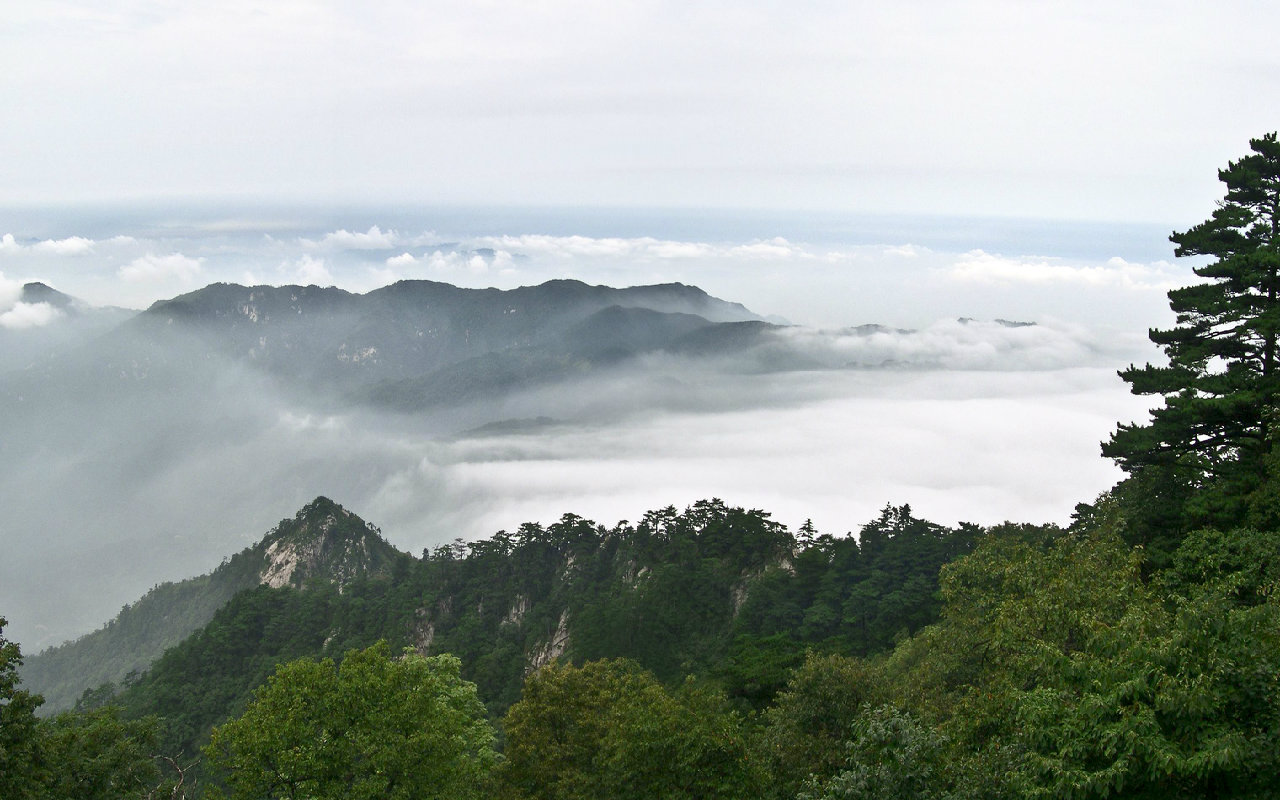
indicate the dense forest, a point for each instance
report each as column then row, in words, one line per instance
column 711, row 652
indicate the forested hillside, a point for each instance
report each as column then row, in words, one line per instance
column 713, row 653
column 322, row 543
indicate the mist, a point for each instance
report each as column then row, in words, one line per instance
column 913, row 376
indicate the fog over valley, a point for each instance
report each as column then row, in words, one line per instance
column 821, row 374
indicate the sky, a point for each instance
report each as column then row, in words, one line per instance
column 1094, row 110
column 825, row 164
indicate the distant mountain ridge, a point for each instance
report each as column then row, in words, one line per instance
column 322, row 543
column 415, row 344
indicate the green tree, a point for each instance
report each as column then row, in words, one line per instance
column 891, row 757
column 20, row 766
column 373, row 727
column 1059, row 673
column 96, row 755
column 1220, row 387
column 610, row 729
column 805, row 732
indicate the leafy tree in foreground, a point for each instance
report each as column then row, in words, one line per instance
column 891, row 757
column 19, row 759
column 610, row 729
column 1217, row 426
column 373, row 727
column 805, row 732
column 96, row 755
column 1059, row 673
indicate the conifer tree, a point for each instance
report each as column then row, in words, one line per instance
column 1217, row 425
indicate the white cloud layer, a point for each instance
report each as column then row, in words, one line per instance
column 373, row 239
column 641, row 248
column 960, row 345
column 71, row 246
column 153, row 268
column 28, row 315
column 308, row 271
column 10, row 291
column 977, row 266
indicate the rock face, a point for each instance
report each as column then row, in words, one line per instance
column 554, row 647
column 323, row 542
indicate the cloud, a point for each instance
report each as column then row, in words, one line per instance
column 373, row 239
column 444, row 263
column 10, row 292
column 71, row 246
column 160, row 268
column 402, row 260
column 959, row 345
column 977, row 266
column 773, row 248
column 905, row 251
column 640, row 248
column 28, row 315
column 981, row 447
column 308, row 270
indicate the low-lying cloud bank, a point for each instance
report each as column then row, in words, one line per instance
column 124, row 495
column 901, row 385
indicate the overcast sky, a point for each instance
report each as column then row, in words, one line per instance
column 1105, row 110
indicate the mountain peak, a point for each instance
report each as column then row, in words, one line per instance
column 326, row 542
column 37, row 292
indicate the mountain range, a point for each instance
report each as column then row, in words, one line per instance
column 411, row 345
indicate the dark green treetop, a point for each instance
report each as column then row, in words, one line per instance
column 1223, row 377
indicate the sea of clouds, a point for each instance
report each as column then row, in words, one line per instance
column 921, row 383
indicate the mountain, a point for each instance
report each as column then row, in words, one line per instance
column 36, row 292
column 336, row 340
column 322, row 544
column 48, row 322
column 410, row 346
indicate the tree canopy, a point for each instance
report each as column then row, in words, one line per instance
column 1217, row 425
column 373, row 727
column 19, row 756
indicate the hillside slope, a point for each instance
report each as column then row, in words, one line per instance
column 716, row 591
column 322, row 543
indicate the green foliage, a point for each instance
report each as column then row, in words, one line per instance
column 135, row 638
column 610, row 729
column 213, row 673
column 1058, row 673
column 97, row 755
column 756, row 668
column 373, row 727
column 19, row 742
column 1215, row 429
column 892, row 756
column 805, row 732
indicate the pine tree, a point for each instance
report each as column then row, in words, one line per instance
column 1217, row 426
